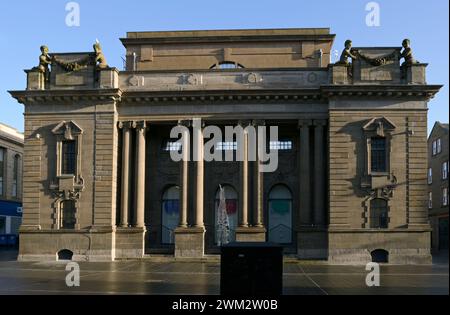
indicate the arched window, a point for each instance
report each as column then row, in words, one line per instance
column 67, row 214
column 280, row 215
column 378, row 214
column 170, row 214
column 231, row 200
column 227, row 65
column 65, row 254
column 380, row 256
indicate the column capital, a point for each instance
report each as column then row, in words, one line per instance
column 185, row 123
column 320, row 123
column 258, row 122
column 244, row 123
column 304, row 123
column 125, row 125
column 140, row 125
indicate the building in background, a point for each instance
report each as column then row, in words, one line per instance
column 438, row 168
column 351, row 182
column 11, row 152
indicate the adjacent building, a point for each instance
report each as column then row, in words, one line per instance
column 438, row 185
column 11, row 156
column 350, row 186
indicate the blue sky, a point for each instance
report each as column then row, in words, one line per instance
column 27, row 24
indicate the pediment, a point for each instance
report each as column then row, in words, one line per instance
column 68, row 129
column 380, row 125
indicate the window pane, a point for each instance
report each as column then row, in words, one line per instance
column 378, row 214
column 378, row 154
column 69, row 157
column 170, row 214
column 68, row 214
column 169, row 146
column 280, row 145
column 430, row 176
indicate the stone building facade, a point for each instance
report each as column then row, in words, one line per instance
column 11, row 156
column 438, row 185
column 350, row 184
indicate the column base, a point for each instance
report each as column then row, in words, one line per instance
column 251, row 234
column 130, row 242
column 189, row 242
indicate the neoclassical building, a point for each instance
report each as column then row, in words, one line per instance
column 351, row 182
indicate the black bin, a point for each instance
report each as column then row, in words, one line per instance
column 251, row 269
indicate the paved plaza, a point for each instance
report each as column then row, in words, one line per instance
column 149, row 276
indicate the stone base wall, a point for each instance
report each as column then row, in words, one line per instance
column 312, row 244
column 85, row 245
column 404, row 246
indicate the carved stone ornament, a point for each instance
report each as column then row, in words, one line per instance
column 253, row 78
column 193, row 79
column 136, row 81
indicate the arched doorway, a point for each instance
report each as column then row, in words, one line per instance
column 280, row 215
column 231, row 199
column 170, row 214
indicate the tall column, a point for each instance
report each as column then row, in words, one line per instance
column 199, row 157
column 184, row 173
column 258, row 175
column 125, row 126
column 305, row 191
column 140, row 173
column 244, row 179
column 319, row 174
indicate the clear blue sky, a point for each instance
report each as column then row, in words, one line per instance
column 25, row 25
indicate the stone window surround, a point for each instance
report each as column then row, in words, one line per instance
column 67, row 131
column 378, row 127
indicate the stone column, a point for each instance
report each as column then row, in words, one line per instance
column 198, row 148
column 259, row 184
column 319, row 174
column 305, row 191
column 244, row 179
column 184, row 175
column 140, row 174
column 126, row 134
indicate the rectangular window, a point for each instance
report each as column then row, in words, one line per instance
column 434, row 148
column 445, row 170
column 15, row 176
column 2, row 169
column 69, row 157
column 438, row 146
column 430, row 176
column 378, row 154
column 430, row 200
column 68, row 214
column 378, row 214
column 445, row 196
column 283, row 145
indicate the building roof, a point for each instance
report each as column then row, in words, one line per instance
column 230, row 35
column 439, row 125
column 10, row 133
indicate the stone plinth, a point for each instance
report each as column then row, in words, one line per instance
column 312, row 244
column 108, row 78
column 189, row 242
column 339, row 74
column 250, row 234
column 35, row 80
column 130, row 243
column 415, row 74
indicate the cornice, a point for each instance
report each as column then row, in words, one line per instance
column 65, row 96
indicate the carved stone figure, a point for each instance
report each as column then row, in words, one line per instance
column 44, row 60
column 100, row 59
column 347, row 53
column 407, row 53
